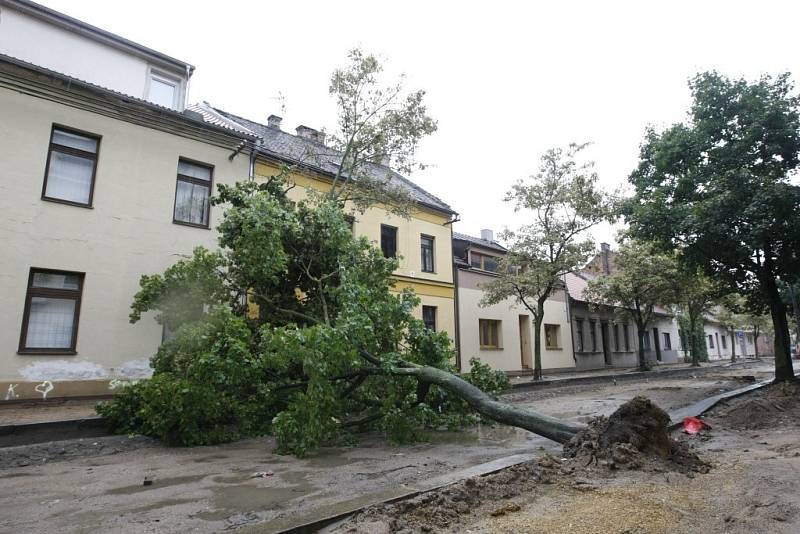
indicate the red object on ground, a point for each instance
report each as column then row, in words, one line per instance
column 693, row 425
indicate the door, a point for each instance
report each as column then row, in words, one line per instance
column 604, row 340
column 657, row 344
column 525, row 352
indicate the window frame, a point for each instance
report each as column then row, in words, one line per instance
column 194, row 181
column 646, row 341
column 666, row 341
column 166, row 79
column 617, row 345
column 593, row 334
column 422, row 248
column 556, row 334
column 483, row 256
column 490, row 322
column 710, row 341
column 432, row 309
column 723, row 343
column 579, row 335
column 53, row 293
column 396, row 233
column 76, row 152
column 626, row 334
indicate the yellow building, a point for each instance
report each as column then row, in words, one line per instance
column 423, row 242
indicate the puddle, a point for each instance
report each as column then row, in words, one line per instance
column 231, row 500
column 160, row 504
column 210, row 458
column 157, row 484
column 331, row 457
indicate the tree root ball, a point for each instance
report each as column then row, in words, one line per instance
column 633, row 436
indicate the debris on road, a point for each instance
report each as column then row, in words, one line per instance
column 693, row 425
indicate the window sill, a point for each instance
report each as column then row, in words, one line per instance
column 491, row 348
column 554, row 348
column 68, row 203
column 191, row 225
column 46, row 352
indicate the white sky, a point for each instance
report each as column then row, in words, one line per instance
column 505, row 80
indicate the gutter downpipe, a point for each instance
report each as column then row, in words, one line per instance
column 568, row 300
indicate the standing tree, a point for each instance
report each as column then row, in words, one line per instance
column 731, row 315
column 642, row 280
column 718, row 188
column 564, row 201
column 696, row 295
column 761, row 325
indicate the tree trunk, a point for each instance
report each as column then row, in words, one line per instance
column 642, row 361
column 543, row 425
column 755, row 340
column 783, row 360
column 733, row 345
column 693, row 342
column 537, row 341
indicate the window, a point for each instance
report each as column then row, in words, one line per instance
column 351, row 223
column 552, row 336
column 426, row 247
column 429, row 317
column 627, row 338
column 710, row 341
column 71, row 166
column 579, row 335
column 750, row 339
column 52, row 307
column 616, row 337
column 667, row 341
column 483, row 261
column 192, row 194
column 489, row 333
column 593, row 334
column 163, row 91
column 389, row 241
column 724, row 344
column 682, row 339
column 646, row 340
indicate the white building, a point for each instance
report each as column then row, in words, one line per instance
column 501, row 335
column 38, row 35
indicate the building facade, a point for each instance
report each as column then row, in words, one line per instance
column 502, row 335
column 105, row 179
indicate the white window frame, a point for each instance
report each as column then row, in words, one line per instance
column 155, row 74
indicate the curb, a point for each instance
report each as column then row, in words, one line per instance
column 620, row 377
column 702, row 406
column 31, row 433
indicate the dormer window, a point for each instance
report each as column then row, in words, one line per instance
column 163, row 90
column 483, row 261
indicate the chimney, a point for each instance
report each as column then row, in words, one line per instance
column 487, row 235
column 310, row 133
column 273, row 121
column 604, row 250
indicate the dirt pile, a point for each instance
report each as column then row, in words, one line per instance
column 444, row 509
column 770, row 407
column 636, row 436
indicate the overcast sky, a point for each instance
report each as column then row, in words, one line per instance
column 505, row 80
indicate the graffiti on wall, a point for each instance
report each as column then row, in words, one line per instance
column 44, row 388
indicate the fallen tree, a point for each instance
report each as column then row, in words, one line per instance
column 293, row 327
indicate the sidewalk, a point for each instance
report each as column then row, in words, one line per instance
column 629, row 372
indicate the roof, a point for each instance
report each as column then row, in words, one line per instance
column 65, row 21
column 311, row 153
column 578, row 282
column 480, row 242
column 187, row 116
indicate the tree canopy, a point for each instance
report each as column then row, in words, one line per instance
column 718, row 187
column 296, row 332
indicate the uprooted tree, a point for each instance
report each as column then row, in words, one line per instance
column 291, row 327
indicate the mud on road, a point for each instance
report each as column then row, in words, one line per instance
column 208, row 489
column 752, row 487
